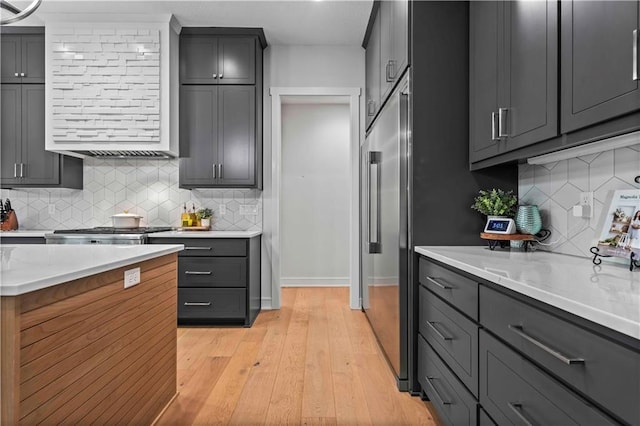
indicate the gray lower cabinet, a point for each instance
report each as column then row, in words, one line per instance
column 25, row 163
column 217, row 136
column 513, row 75
column 525, row 362
column 22, row 56
column 599, row 46
column 8, row 239
column 218, row 280
column 514, row 391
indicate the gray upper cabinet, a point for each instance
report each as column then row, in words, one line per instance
column 513, row 75
column 22, row 58
column 217, row 136
column 599, row 76
column 387, row 52
column 25, row 163
column 206, row 59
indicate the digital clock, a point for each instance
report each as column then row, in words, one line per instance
column 500, row 226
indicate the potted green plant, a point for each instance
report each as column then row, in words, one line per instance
column 204, row 215
column 496, row 202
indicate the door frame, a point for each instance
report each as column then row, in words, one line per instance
column 277, row 94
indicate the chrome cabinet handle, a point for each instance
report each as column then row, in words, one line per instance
column 518, row 329
column 220, row 171
column 435, row 391
column 16, row 74
column 635, row 55
column 438, row 333
column 197, row 248
column 197, row 303
column 502, row 121
column 22, row 74
column 21, row 169
column 220, row 75
column 215, row 171
column 215, row 75
column 197, row 272
column 435, row 282
column 494, row 133
column 375, row 227
column 371, row 109
column 388, row 73
column 517, row 409
column 15, row 170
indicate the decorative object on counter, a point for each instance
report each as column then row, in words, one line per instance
column 528, row 220
column 619, row 236
column 184, row 218
column 503, row 240
column 496, row 202
column 18, row 15
column 205, row 214
column 126, row 220
column 8, row 218
column 637, row 179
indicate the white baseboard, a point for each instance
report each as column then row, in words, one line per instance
column 265, row 304
column 315, row 282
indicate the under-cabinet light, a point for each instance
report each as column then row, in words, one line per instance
column 588, row 148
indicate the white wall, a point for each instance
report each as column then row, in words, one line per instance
column 315, row 195
column 301, row 66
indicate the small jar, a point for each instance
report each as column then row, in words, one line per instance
column 528, row 220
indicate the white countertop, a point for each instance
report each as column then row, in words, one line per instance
column 26, row 233
column 205, row 234
column 608, row 294
column 31, row 267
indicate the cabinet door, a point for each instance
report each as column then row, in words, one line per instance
column 597, row 61
column 237, row 60
column 237, row 135
column 485, row 35
column 198, row 135
column 10, row 131
column 32, row 59
column 531, row 80
column 10, row 61
column 40, row 167
column 372, row 77
column 400, row 46
column 385, row 16
column 198, row 60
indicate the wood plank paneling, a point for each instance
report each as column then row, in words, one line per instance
column 98, row 350
column 9, row 360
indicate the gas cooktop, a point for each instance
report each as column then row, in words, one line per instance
column 111, row 230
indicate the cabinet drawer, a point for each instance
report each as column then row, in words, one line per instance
column 452, row 401
column 212, row 272
column 597, row 367
column 199, row 247
column 514, row 391
column 205, row 303
column 460, row 291
column 452, row 335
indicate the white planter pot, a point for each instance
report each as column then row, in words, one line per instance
column 205, row 222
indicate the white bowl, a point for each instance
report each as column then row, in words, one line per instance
column 126, row 220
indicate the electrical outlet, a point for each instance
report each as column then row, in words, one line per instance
column 248, row 209
column 52, row 209
column 223, row 209
column 131, row 277
column 586, row 202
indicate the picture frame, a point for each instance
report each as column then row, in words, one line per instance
column 619, row 227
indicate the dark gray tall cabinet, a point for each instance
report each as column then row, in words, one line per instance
column 600, row 79
column 221, row 107
column 513, row 75
column 24, row 161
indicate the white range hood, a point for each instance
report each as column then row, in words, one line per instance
column 112, row 87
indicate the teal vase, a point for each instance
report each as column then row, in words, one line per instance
column 528, row 220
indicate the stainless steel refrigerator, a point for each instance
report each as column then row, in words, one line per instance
column 384, row 229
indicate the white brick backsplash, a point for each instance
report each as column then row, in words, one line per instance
column 104, row 75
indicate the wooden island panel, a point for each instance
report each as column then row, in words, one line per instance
column 90, row 350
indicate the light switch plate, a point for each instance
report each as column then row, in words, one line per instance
column 223, row 209
column 131, row 277
column 248, row 209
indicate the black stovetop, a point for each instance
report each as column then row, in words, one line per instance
column 111, row 230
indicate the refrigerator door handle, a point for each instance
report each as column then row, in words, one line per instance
column 374, row 222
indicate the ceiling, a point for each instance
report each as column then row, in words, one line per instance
column 285, row 22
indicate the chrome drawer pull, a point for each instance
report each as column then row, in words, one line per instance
column 442, row 286
column 197, row 272
column 197, row 303
column 197, row 248
column 435, row 330
column 558, row 355
column 517, row 409
column 435, row 391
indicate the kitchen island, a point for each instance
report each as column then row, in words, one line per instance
column 81, row 345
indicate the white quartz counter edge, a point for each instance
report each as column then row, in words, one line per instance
column 27, row 268
column 604, row 317
column 205, row 234
column 34, row 233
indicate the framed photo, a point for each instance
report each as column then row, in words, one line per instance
column 620, row 225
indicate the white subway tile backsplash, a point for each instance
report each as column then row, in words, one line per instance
column 146, row 187
column 555, row 188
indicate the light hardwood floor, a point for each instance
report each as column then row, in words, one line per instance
column 315, row 361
